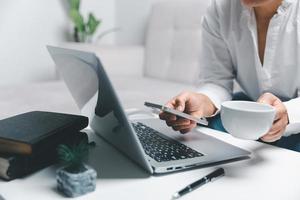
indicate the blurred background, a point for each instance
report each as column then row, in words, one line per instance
column 27, row 26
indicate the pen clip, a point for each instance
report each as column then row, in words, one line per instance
column 216, row 178
column 216, row 174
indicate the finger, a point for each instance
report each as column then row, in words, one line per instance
column 170, row 123
column 179, row 122
column 176, row 123
column 270, row 139
column 274, row 137
column 267, row 98
column 177, row 103
column 167, row 116
column 277, row 126
column 180, row 101
column 171, row 104
column 280, row 111
column 182, row 122
column 184, row 131
column 274, row 101
column 179, row 128
column 162, row 115
column 272, row 134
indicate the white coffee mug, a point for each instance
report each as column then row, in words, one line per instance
column 246, row 119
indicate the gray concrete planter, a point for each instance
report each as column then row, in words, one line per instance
column 76, row 184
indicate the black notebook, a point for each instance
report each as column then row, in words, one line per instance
column 16, row 166
column 29, row 132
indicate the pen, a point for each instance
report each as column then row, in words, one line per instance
column 208, row 178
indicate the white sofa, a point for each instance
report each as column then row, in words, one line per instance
column 167, row 64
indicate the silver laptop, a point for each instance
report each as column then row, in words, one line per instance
column 148, row 142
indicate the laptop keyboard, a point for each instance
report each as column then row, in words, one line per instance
column 161, row 149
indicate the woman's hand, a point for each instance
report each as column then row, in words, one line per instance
column 281, row 120
column 195, row 104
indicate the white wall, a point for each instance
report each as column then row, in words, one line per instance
column 131, row 17
column 26, row 26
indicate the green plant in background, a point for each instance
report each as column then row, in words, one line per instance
column 83, row 31
column 73, row 156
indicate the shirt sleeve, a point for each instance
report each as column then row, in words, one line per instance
column 216, row 68
column 293, row 109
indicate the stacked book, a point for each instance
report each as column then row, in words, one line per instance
column 28, row 141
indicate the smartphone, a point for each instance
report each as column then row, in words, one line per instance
column 201, row 120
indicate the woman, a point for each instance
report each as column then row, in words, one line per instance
column 256, row 42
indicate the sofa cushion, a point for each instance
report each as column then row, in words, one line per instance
column 133, row 92
column 54, row 96
column 173, row 40
column 117, row 60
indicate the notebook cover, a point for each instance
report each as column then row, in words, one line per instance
column 40, row 129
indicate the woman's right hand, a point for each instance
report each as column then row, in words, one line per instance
column 195, row 104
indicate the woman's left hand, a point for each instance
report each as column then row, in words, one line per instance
column 281, row 120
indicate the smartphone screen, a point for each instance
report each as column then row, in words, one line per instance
column 201, row 121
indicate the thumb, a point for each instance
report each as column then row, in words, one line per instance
column 180, row 105
column 180, row 101
column 267, row 99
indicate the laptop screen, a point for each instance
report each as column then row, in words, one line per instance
column 95, row 96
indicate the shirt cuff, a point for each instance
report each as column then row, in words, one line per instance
column 293, row 109
column 217, row 94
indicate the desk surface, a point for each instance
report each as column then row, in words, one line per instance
column 271, row 173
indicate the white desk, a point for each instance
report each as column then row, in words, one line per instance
column 271, row 173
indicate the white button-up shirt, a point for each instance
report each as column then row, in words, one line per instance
column 230, row 51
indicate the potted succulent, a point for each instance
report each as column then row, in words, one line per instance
column 83, row 30
column 75, row 178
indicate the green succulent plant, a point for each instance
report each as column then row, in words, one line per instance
column 72, row 156
column 83, row 29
